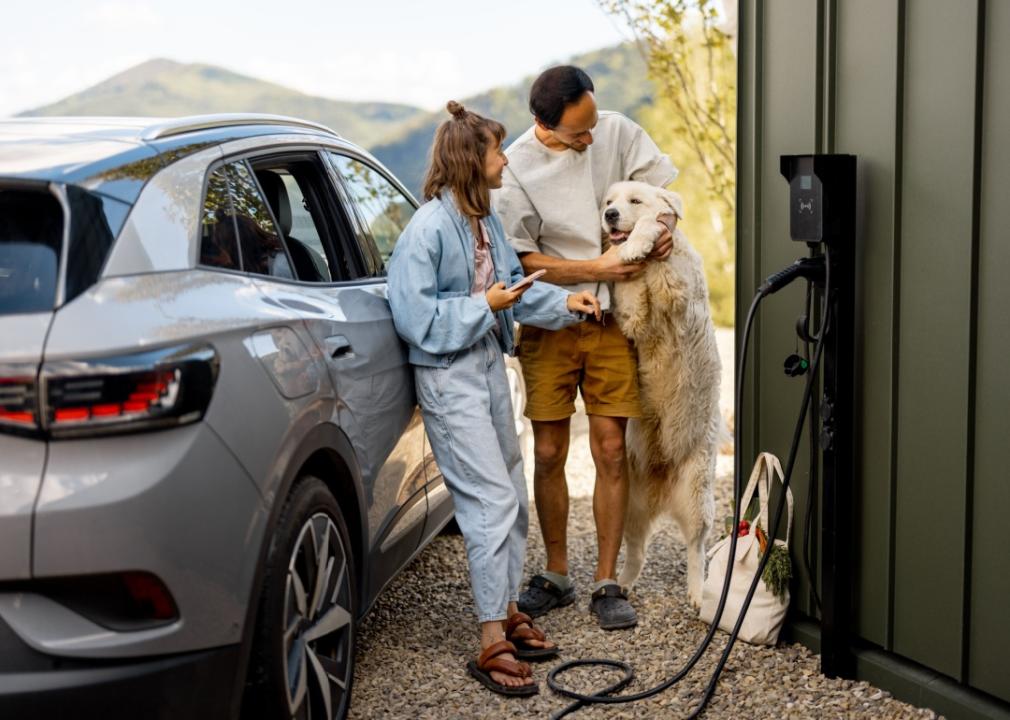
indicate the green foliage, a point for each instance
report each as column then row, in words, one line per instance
column 693, row 119
column 778, row 571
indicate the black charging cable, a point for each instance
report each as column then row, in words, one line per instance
column 813, row 269
column 814, row 471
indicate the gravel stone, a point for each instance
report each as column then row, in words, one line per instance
column 414, row 645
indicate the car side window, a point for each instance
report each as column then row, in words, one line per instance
column 218, row 244
column 263, row 251
column 383, row 209
column 300, row 195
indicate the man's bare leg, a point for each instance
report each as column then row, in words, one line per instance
column 610, row 497
column 550, row 489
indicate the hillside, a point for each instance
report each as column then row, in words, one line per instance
column 399, row 135
column 167, row 88
column 618, row 73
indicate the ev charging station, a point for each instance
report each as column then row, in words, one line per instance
column 822, row 210
column 822, row 214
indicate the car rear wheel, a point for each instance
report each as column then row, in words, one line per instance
column 304, row 644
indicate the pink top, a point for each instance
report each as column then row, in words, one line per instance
column 483, row 276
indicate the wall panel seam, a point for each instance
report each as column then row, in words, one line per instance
column 895, row 317
column 976, row 217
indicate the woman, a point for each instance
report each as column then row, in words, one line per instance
column 447, row 289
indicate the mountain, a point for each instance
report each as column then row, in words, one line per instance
column 619, row 75
column 167, row 88
column 399, row 135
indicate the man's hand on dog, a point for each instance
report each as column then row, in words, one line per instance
column 664, row 244
column 610, row 267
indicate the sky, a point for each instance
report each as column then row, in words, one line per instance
column 418, row 53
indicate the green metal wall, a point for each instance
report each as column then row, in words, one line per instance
column 919, row 91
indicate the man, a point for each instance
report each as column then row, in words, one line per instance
column 550, row 200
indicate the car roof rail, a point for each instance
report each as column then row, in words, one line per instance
column 193, row 123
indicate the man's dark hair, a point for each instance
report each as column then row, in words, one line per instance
column 556, row 89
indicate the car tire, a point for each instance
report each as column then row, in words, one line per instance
column 302, row 663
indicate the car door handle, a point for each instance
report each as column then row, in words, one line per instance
column 338, row 346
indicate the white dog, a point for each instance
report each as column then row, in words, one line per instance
column 664, row 311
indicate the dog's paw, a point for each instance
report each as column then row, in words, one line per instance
column 632, row 252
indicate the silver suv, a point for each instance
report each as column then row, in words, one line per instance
column 211, row 460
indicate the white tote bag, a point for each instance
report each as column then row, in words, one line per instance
column 766, row 613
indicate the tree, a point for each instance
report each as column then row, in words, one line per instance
column 688, row 47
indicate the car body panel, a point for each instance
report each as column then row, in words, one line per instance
column 161, row 233
column 182, row 484
column 23, row 337
column 22, row 461
column 374, row 406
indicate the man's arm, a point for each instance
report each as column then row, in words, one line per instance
column 606, row 268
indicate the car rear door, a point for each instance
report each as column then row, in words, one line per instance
column 382, row 210
column 346, row 313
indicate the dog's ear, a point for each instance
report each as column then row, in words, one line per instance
column 674, row 202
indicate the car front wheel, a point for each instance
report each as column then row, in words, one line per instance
column 305, row 634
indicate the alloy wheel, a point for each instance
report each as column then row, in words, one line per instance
column 318, row 625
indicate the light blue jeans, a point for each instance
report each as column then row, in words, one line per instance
column 467, row 411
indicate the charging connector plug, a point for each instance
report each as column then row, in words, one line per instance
column 810, row 268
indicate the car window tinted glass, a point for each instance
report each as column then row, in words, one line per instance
column 304, row 230
column 95, row 221
column 262, row 249
column 301, row 223
column 383, row 209
column 218, row 244
column 31, row 235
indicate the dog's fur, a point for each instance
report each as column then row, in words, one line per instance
column 664, row 311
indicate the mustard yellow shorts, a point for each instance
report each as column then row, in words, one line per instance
column 592, row 357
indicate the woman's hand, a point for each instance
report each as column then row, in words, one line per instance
column 584, row 301
column 498, row 298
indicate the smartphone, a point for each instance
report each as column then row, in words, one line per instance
column 528, row 280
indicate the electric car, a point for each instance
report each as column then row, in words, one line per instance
column 211, row 459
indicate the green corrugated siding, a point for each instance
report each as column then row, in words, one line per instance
column 787, row 84
column 897, row 83
column 866, row 101
column 934, row 302
column 989, row 635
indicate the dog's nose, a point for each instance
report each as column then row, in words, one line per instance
column 611, row 214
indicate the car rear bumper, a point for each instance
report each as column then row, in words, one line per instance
column 188, row 685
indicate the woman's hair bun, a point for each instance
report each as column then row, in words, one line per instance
column 455, row 109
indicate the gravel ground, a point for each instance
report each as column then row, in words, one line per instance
column 414, row 645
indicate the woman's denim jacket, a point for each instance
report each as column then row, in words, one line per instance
column 430, row 278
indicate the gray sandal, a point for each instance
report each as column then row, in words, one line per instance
column 542, row 595
column 611, row 608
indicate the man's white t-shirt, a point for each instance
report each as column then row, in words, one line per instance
column 550, row 200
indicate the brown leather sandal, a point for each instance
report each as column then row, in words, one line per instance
column 519, row 636
column 489, row 661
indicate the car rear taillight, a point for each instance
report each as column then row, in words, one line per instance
column 154, row 389
column 18, row 398
column 124, row 393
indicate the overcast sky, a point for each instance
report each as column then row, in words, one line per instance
column 419, row 53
